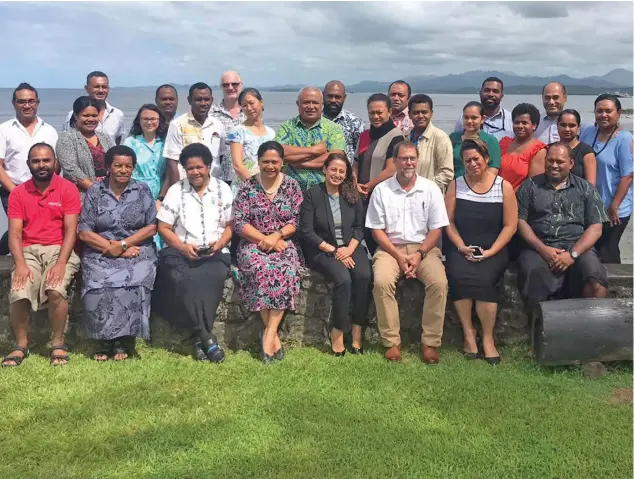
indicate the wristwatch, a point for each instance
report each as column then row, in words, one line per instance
column 422, row 254
column 160, row 198
column 124, row 246
column 573, row 254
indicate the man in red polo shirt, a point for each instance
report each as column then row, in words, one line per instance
column 43, row 214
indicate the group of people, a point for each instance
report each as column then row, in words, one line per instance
column 154, row 217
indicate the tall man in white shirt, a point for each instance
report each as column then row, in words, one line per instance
column 110, row 118
column 17, row 136
column 406, row 215
column 195, row 126
column 554, row 100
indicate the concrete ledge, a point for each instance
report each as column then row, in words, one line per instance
column 237, row 328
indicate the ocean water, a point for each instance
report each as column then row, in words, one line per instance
column 278, row 107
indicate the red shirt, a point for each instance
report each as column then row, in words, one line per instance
column 43, row 214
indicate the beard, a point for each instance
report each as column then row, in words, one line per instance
column 332, row 109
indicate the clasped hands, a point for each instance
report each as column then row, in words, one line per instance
column 272, row 242
column 343, row 254
column 115, row 250
column 559, row 260
column 409, row 263
column 468, row 254
column 191, row 250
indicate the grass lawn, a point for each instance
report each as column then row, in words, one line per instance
column 312, row 415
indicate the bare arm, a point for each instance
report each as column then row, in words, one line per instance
column 509, row 220
column 588, row 239
column 528, row 235
column 590, row 168
column 386, row 245
column 6, row 182
column 168, row 235
column 94, row 240
column 431, row 240
column 299, row 154
column 388, row 172
column 15, row 241
column 450, row 205
column 621, row 191
column 237, row 156
column 251, row 234
column 70, row 234
column 538, row 163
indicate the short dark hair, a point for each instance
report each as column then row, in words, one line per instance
column 80, row 105
column 477, row 145
column 119, row 150
column 564, row 146
column 380, row 97
column 608, row 96
column 404, row 144
column 270, row 146
column 493, row 79
column 249, row 91
column 526, row 109
column 24, row 86
column 572, row 112
column 95, row 74
column 401, row 82
column 199, row 86
column 420, row 98
column 161, row 131
column 165, row 85
column 196, row 150
column 477, row 104
column 41, row 144
column 563, row 87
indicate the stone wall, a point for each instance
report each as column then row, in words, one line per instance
column 237, row 328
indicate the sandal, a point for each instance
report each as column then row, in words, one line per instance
column 59, row 357
column 15, row 359
column 105, row 349
column 119, row 347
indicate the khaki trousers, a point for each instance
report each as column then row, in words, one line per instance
column 431, row 273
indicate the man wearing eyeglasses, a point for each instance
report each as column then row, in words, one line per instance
column 406, row 215
column 497, row 120
column 230, row 114
column 110, row 118
column 17, row 136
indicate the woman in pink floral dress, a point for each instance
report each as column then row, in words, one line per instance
column 266, row 212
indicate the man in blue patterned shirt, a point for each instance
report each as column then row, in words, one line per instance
column 308, row 139
column 352, row 125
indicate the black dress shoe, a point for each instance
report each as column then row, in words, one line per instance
column 471, row 356
column 279, row 354
column 199, row 354
column 494, row 361
column 354, row 350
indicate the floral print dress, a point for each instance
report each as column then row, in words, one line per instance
column 268, row 280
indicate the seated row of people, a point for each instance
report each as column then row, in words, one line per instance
column 559, row 217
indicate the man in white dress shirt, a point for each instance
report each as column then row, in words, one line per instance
column 406, row 215
column 17, row 136
column 195, row 126
column 110, row 118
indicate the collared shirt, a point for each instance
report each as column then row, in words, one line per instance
column 559, row 217
column 293, row 132
column 185, row 130
column 15, row 143
column 43, row 213
column 352, row 127
column 547, row 130
column 150, row 162
column 403, row 121
column 498, row 125
column 112, row 123
column 198, row 220
column 435, row 155
column 229, row 122
column 406, row 216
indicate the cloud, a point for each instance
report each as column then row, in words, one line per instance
column 274, row 43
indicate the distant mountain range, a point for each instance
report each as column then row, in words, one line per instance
column 616, row 80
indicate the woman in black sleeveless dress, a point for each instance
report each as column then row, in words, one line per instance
column 482, row 213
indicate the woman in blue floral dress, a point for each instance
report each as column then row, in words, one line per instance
column 266, row 212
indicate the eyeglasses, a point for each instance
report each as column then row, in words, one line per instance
column 150, row 120
column 233, row 84
column 31, row 102
column 408, row 159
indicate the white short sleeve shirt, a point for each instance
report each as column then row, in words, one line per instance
column 185, row 130
column 198, row 220
column 406, row 216
column 15, row 143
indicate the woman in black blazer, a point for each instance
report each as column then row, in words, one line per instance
column 331, row 228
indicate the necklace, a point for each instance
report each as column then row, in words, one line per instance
column 274, row 187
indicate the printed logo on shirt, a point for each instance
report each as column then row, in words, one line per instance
column 54, row 203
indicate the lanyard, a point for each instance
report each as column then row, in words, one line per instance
column 597, row 153
column 495, row 129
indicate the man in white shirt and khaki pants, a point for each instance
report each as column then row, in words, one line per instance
column 406, row 215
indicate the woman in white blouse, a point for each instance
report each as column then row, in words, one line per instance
column 195, row 223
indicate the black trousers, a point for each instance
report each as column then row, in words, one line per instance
column 351, row 287
column 4, row 242
column 608, row 244
column 187, row 293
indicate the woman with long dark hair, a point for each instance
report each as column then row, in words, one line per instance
column 568, row 125
column 147, row 140
column 331, row 230
column 82, row 150
column 612, row 146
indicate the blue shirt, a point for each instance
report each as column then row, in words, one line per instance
column 150, row 162
column 613, row 163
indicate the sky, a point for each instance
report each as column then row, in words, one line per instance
column 54, row 45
